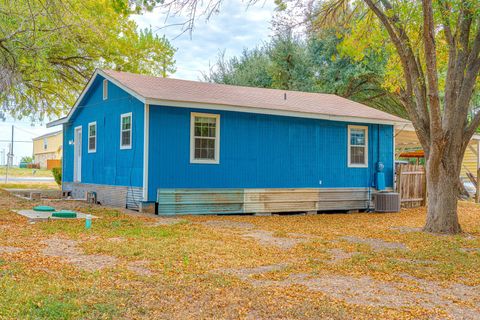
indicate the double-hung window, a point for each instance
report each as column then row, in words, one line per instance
column 92, row 137
column 126, row 131
column 357, row 146
column 205, row 138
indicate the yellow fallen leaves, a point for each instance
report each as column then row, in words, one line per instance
column 188, row 261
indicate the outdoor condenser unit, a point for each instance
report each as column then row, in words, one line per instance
column 387, row 202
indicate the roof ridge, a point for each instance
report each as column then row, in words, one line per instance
column 107, row 71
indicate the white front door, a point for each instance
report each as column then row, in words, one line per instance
column 77, row 155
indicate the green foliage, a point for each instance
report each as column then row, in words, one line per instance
column 57, row 175
column 361, row 80
column 317, row 64
column 290, row 64
column 26, row 159
column 48, row 51
column 252, row 69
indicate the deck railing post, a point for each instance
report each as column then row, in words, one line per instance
column 477, row 193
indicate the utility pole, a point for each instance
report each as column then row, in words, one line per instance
column 9, row 157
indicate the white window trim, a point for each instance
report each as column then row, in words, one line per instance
column 125, row 115
column 45, row 143
column 353, row 165
column 96, row 133
column 192, row 138
column 105, row 89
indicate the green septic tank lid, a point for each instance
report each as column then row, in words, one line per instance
column 43, row 208
column 64, row 214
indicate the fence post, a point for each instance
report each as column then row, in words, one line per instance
column 424, row 201
column 399, row 182
column 477, row 193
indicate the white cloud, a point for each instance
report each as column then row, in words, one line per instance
column 234, row 28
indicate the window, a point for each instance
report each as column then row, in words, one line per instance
column 126, row 131
column 92, row 137
column 205, row 138
column 45, row 143
column 105, row 89
column 357, row 146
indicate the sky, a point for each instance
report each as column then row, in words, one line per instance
column 233, row 29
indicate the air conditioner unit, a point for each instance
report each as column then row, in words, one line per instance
column 387, row 202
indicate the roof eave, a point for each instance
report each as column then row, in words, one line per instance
column 189, row 104
column 85, row 90
column 57, row 122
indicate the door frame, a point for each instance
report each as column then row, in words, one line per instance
column 77, row 174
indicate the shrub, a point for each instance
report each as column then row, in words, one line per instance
column 57, row 174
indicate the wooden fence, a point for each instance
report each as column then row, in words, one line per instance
column 411, row 185
column 53, row 163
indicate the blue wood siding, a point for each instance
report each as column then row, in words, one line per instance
column 262, row 151
column 108, row 165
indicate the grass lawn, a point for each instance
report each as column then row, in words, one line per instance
column 30, row 185
column 335, row 266
column 24, row 172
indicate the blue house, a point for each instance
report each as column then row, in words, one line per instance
column 197, row 147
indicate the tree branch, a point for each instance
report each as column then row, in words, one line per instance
column 431, row 64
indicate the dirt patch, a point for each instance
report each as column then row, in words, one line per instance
column 419, row 262
column 140, row 268
column 470, row 250
column 116, row 240
column 246, row 273
column 267, row 238
column 68, row 250
column 458, row 300
column 376, row 244
column 228, row 224
column 10, row 249
column 404, row 229
column 339, row 255
column 167, row 221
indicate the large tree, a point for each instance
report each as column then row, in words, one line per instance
column 437, row 45
column 49, row 49
column 438, row 49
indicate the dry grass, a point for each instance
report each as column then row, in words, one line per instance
column 30, row 185
column 198, row 269
column 24, row 172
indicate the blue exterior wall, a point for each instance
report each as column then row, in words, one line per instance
column 109, row 164
column 262, row 151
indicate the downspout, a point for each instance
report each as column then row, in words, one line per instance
column 146, row 132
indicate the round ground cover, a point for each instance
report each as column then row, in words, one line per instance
column 43, row 208
column 64, row 214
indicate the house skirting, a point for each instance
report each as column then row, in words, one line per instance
column 235, row 201
column 115, row 196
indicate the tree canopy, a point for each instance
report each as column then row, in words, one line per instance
column 49, row 49
column 312, row 62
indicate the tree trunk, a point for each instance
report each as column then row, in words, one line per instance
column 443, row 191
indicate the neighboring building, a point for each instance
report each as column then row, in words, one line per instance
column 406, row 140
column 48, row 147
column 201, row 147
